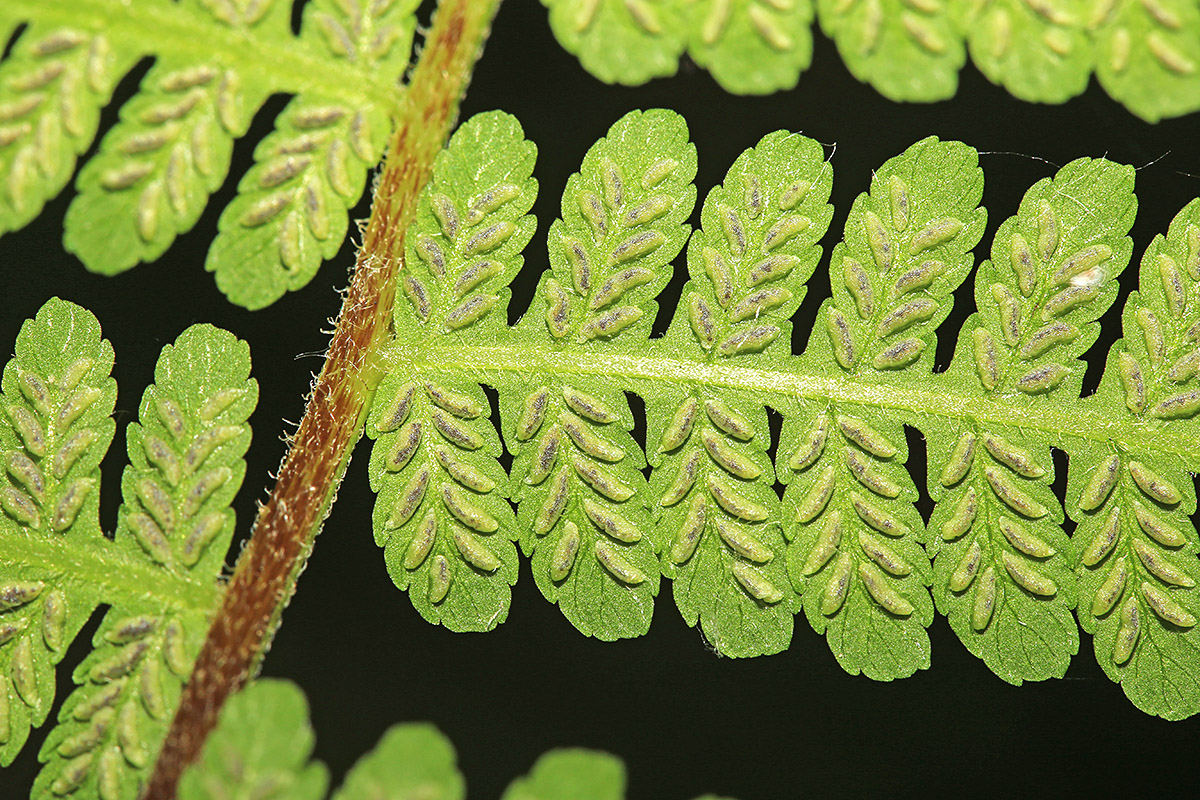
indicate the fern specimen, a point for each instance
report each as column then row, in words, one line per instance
column 739, row 576
column 264, row 740
column 157, row 573
column 217, row 64
column 845, row 545
column 1145, row 53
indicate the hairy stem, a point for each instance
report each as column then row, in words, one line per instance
column 333, row 419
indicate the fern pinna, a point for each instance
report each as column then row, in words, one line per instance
column 158, row 573
column 1144, row 53
column 217, row 62
column 844, row 545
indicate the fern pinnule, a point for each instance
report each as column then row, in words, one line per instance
column 875, row 36
column 712, row 478
column 751, row 48
column 441, row 516
column 582, row 499
column 645, row 39
column 855, row 557
column 1135, row 545
column 292, row 208
column 1147, row 55
column 264, row 741
column 1037, row 51
column 52, row 86
column 1002, row 563
column 57, row 398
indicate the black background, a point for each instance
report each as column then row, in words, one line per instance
column 685, row 720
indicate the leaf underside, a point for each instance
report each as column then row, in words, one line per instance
column 170, row 149
column 159, row 572
column 752, row 529
column 1145, row 53
column 263, row 741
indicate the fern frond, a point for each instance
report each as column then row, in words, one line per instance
column 159, row 574
column 1136, row 545
column 907, row 51
column 846, row 545
column 582, row 500
column 441, row 516
column 263, row 740
column 1145, row 53
column 57, row 397
column 1148, row 55
column 712, row 476
column 1002, row 564
column 216, row 63
column 751, row 46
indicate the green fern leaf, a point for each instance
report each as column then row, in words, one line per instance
column 846, row 538
column 1002, row 563
column 1038, row 51
column 1136, row 546
column 263, row 740
column 170, row 150
column 713, row 478
column 855, row 555
column 906, row 50
column 156, row 169
column 411, row 760
column 571, row 775
column 185, row 468
column 583, row 508
column 441, row 516
column 57, row 397
column 159, row 574
column 52, row 86
column 292, row 208
column 621, row 41
column 752, row 46
column 260, row 748
column 1148, row 55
